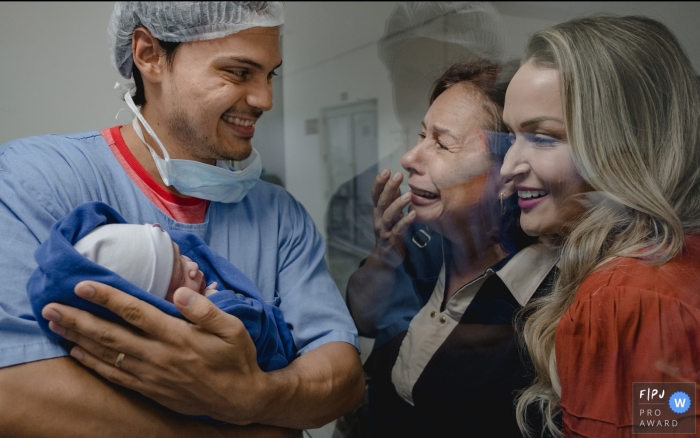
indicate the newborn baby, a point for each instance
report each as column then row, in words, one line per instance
column 146, row 256
column 94, row 242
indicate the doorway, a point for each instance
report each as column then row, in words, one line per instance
column 350, row 155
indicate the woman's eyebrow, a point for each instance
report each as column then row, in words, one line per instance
column 538, row 120
column 445, row 131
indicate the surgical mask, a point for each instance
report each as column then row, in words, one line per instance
column 220, row 183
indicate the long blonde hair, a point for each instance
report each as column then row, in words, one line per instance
column 630, row 99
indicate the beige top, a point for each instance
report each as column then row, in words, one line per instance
column 430, row 327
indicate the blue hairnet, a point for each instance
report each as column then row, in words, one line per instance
column 182, row 22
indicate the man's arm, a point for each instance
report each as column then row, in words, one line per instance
column 316, row 388
column 59, row 397
column 207, row 367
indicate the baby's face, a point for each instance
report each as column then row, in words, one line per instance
column 186, row 273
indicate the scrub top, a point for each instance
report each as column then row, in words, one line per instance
column 269, row 236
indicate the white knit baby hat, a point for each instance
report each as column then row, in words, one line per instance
column 141, row 254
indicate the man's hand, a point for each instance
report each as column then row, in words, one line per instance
column 207, row 367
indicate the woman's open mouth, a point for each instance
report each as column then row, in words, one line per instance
column 528, row 199
column 422, row 197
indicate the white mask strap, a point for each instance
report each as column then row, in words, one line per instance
column 130, row 102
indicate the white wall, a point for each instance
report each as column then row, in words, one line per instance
column 330, row 48
column 523, row 18
column 269, row 132
column 519, row 29
column 56, row 75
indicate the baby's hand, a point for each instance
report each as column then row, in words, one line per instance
column 211, row 289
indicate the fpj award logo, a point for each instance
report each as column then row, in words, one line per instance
column 664, row 407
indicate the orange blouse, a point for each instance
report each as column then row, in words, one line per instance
column 630, row 322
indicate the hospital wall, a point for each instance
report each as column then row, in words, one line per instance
column 331, row 61
column 56, row 76
column 330, row 49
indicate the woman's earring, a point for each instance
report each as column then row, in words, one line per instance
column 503, row 204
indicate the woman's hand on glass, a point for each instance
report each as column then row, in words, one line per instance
column 390, row 224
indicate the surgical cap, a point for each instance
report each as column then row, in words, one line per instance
column 473, row 25
column 182, row 22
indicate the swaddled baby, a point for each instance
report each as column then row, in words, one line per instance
column 146, row 256
column 94, row 242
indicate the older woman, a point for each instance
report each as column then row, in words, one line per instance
column 605, row 158
column 446, row 360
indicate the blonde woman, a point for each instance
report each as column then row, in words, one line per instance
column 606, row 161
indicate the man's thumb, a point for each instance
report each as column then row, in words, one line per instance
column 202, row 312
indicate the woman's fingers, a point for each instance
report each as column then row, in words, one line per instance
column 389, row 222
column 393, row 214
column 379, row 183
column 405, row 222
column 389, row 191
column 397, row 223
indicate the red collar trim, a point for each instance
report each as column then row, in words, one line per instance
column 146, row 177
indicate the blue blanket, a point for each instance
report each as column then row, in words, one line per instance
column 61, row 268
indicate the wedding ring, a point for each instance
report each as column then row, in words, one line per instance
column 118, row 362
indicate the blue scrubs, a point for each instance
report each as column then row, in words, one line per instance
column 268, row 236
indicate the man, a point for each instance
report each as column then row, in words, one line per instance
column 203, row 75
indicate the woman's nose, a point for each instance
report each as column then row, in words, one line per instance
column 412, row 160
column 514, row 162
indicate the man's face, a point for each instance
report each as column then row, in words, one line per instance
column 215, row 92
